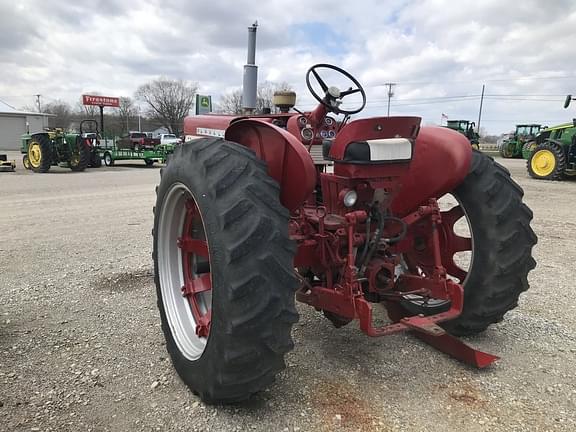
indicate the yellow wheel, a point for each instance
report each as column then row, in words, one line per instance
column 35, row 154
column 543, row 163
column 547, row 162
column 26, row 162
column 39, row 153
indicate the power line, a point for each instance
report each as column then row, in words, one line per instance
column 6, row 103
column 487, row 79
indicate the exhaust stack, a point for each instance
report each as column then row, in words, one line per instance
column 250, row 80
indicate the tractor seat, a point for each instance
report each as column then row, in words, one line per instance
column 373, row 151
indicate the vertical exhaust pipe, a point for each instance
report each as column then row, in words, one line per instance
column 250, row 79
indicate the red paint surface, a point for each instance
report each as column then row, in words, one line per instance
column 289, row 163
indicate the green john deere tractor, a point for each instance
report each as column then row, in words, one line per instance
column 553, row 154
column 54, row 148
column 513, row 147
column 466, row 128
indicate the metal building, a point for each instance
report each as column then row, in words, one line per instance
column 14, row 123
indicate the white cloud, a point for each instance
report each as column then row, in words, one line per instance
column 430, row 48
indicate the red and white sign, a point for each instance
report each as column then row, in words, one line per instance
column 101, row 101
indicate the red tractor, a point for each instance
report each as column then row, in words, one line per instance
column 246, row 223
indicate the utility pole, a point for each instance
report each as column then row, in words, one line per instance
column 480, row 111
column 390, row 94
column 38, row 102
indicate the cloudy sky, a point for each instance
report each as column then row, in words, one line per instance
column 439, row 53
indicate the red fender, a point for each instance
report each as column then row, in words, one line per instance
column 289, row 163
column 440, row 162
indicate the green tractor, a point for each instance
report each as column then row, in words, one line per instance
column 514, row 146
column 553, row 155
column 54, row 148
column 466, row 128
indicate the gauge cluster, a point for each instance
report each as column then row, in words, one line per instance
column 326, row 131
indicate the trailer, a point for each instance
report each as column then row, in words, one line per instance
column 149, row 156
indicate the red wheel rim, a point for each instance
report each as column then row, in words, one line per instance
column 421, row 257
column 196, row 268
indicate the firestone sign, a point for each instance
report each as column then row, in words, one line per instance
column 101, row 101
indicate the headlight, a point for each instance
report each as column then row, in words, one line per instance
column 307, row 134
column 349, row 197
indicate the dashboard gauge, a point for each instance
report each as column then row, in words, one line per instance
column 302, row 121
column 307, row 134
column 331, row 134
column 328, row 121
column 324, row 133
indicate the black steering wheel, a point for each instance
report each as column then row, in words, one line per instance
column 332, row 97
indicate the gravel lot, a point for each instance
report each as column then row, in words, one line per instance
column 81, row 346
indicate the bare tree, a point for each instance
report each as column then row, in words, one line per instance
column 231, row 103
column 265, row 93
column 62, row 112
column 169, row 101
column 88, row 111
column 126, row 111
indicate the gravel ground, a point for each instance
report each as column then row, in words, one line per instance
column 81, row 346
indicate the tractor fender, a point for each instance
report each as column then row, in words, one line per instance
column 289, row 162
column 440, row 162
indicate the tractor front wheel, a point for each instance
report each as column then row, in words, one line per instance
column 26, row 162
column 493, row 260
column 223, row 270
column 507, row 150
column 547, row 162
column 528, row 149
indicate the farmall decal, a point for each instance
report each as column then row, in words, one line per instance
column 211, row 132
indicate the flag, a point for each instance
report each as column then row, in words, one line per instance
column 444, row 116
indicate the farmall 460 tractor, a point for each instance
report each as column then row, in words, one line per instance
column 247, row 223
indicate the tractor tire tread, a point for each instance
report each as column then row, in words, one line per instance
column 46, row 149
column 83, row 156
column 248, row 341
column 501, row 225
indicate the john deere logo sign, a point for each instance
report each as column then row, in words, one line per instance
column 203, row 104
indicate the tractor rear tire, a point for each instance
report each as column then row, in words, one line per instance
column 502, row 245
column 501, row 249
column 250, row 261
column 83, row 156
column 43, row 144
column 547, row 162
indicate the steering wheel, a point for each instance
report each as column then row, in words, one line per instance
column 332, row 95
